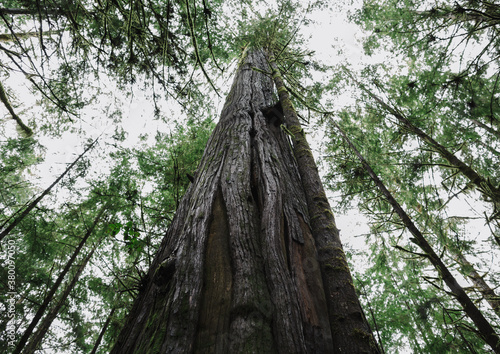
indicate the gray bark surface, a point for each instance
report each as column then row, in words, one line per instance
column 349, row 327
column 237, row 271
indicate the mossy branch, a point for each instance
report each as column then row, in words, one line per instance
column 3, row 97
column 261, row 71
column 6, row 37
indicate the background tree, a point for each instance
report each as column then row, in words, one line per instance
column 425, row 116
column 84, row 62
column 485, row 330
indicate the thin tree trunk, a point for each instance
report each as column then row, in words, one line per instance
column 103, row 331
column 350, row 329
column 238, row 270
column 424, row 328
column 484, row 328
column 31, row 12
column 4, row 37
column 467, row 269
column 470, row 272
column 37, row 337
column 48, row 298
column 490, row 130
column 5, row 100
column 374, row 320
column 31, row 205
column 463, row 14
column 490, row 191
column 489, row 148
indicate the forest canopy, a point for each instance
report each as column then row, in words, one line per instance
column 107, row 107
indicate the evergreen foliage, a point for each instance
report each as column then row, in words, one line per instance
column 426, row 120
column 426, row 117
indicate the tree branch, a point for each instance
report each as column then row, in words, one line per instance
column 3, row 97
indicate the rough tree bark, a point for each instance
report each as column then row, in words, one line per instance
column 238, row 270
column 350, row 330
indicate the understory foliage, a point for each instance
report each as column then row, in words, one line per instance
column 135, row 201
column 426, row 118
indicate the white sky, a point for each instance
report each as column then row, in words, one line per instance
column 329, row 34
column 332, row 38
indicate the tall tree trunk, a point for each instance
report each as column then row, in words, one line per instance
column 350, row 330
column 484, row 328
column 238, row 270
column 37, row 337
column 50, row 295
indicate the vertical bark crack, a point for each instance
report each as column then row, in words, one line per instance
column 215, row 307
column 246, row 276
column 254, row 166
column 285, row 237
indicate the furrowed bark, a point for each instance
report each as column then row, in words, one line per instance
column 484, row 328
column 350, row 330
column 237, row 271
